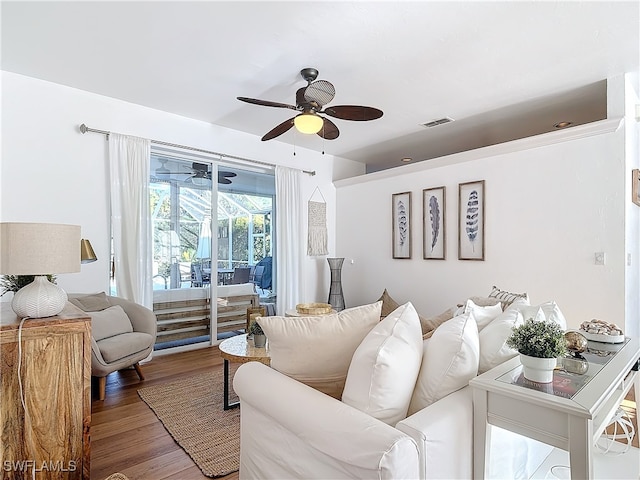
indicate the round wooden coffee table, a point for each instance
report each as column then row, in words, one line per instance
column 239, row 350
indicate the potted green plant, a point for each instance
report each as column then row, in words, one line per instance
column 259, row 338
column 13, row 283
column 539, row 343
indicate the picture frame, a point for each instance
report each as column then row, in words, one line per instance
column 401, row 224
column 433, row 223
column 252, row 313
column 635, row 186
column 471, row 220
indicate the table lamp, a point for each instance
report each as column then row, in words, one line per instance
column 39, row 249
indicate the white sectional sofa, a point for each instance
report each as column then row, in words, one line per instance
column 395, row 420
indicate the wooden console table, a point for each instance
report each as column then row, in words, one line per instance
column 52, row 437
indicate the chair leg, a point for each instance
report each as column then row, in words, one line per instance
column 138, row 370
column 102, row 387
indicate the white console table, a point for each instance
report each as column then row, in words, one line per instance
column 571, row 413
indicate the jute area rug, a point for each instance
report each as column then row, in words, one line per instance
column 191, row 411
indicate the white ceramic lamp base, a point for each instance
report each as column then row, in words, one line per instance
column 39, row 299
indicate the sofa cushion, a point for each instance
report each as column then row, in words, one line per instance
column 485, row 301
column 431, row 323
column 493, row 340
column 109, row 322
column 450, row 359
column 91, row 303
column 388, row 304
column 550, row 310
column 483, row 314
column 506, row 297
column 384, row 367
column 317, row 350
column 123, row 345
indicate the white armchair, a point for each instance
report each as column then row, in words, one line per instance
column 122, row 334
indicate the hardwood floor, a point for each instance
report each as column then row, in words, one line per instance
column 127, row 437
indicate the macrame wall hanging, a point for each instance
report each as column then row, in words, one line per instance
column 317, row 217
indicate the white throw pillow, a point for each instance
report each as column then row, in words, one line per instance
column 483, row 314
column 553, row 314
column 545, row 311
column 317, row 350
column 493, row 340
column 518, row 303
column 384, row 367
column 450, row 359
column 109, row 322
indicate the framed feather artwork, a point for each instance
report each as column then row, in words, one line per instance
column 401, row 218
column 471, row 220
column 433, row 232
column 635, row 186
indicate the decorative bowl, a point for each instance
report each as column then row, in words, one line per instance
column 313, row 308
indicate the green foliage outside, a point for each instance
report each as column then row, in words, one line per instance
column 189, row 230
column 13, row 283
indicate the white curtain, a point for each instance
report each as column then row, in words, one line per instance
column 129, row 159
column 290, row 240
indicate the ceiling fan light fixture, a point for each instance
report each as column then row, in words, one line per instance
column 308, row 123
column 201, row 181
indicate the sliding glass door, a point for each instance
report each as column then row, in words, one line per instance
column 209, row 237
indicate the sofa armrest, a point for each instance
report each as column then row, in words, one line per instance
column 290, row 430
column 444, row 434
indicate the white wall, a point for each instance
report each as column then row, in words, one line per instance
column 551, row 202
column 632, row 147
column 50, row 172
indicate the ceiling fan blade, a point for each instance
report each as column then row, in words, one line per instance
column 329, row 131
column 265, row 103
column 279, row 130
column 353, row 112
column 223, row 177
column 320, row 92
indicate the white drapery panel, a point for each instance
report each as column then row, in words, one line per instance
column 129, row 163
column 290, row 241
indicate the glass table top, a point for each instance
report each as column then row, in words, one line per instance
column 571, row 373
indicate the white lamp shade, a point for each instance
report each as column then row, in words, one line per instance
column 39, row 248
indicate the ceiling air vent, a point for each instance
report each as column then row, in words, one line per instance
column 435, row 123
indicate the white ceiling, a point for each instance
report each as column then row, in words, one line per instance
column 502, row 70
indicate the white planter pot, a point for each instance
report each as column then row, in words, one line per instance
column 538, row 369
column 259, row 341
